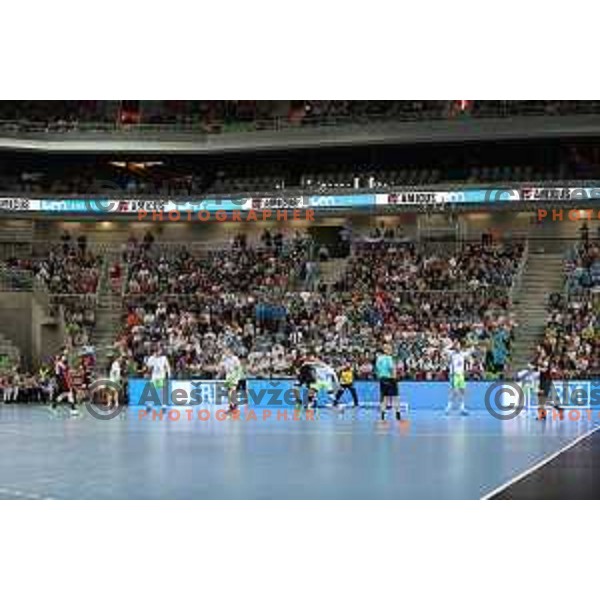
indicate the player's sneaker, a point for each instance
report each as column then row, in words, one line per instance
column 464, row 412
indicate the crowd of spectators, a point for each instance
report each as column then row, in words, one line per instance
column 583, row 266
column 514, row 108
column 355, row 111
column 206, row 182
column 393, row 267
column 68, row 267
column 20, row 385
column 24, row 386
column 15, row 274
column 274, row 264
column 570, row 347
column 260, row 299
column 325, row 170
column 271, row 334
column 55, row 115
column 29, row 386
column 222, row 115
column 80, row 319
column 68, row 272
column 571, row 343
column 196, row 307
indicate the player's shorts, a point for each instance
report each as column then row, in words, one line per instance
column 388, row 388
column 528, row 388
column 306, row 380
column 458, row 382
column 319, row 386
column 159, row 384
column 64, row 385
column 235, row 383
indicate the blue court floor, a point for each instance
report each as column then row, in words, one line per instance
column 333, row 456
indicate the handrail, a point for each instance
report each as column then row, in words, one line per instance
column 196, row 124
column 568, row 293
column 483, row 291
column 15, row 280
column 303, row 190
column 93, row 296
column 97, row 248
column 518, row 280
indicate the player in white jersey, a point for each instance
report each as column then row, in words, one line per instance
column 160, row 370
column 529, row 379
column 326, row 381
column 235, row 381
column 115, row 377
column 316, row 377
column 457, row 358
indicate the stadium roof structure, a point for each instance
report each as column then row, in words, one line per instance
column 160, row 139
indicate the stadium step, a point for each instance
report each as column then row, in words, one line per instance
column 109, row 308
column 332, row 270
column 542, row 277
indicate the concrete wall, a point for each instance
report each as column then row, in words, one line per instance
column 25, row 323
column 146, row 141
column 118, row 231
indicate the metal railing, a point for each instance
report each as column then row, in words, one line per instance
column 15, row 280
column 518, row 280
column 195, row 124
column 301, row 189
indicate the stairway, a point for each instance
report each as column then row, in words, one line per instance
column 109, row 309
column 332, row 270
column 543, row 275
column 16, row 236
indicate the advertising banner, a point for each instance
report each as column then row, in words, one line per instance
column 559, row 193
column 323, row 202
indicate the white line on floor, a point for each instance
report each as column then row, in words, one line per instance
column 22, row 495
column 540, row 464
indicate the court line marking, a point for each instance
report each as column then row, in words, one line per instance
column 17, row 494
column 540, row 464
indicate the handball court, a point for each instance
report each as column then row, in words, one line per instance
column 349, row 455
